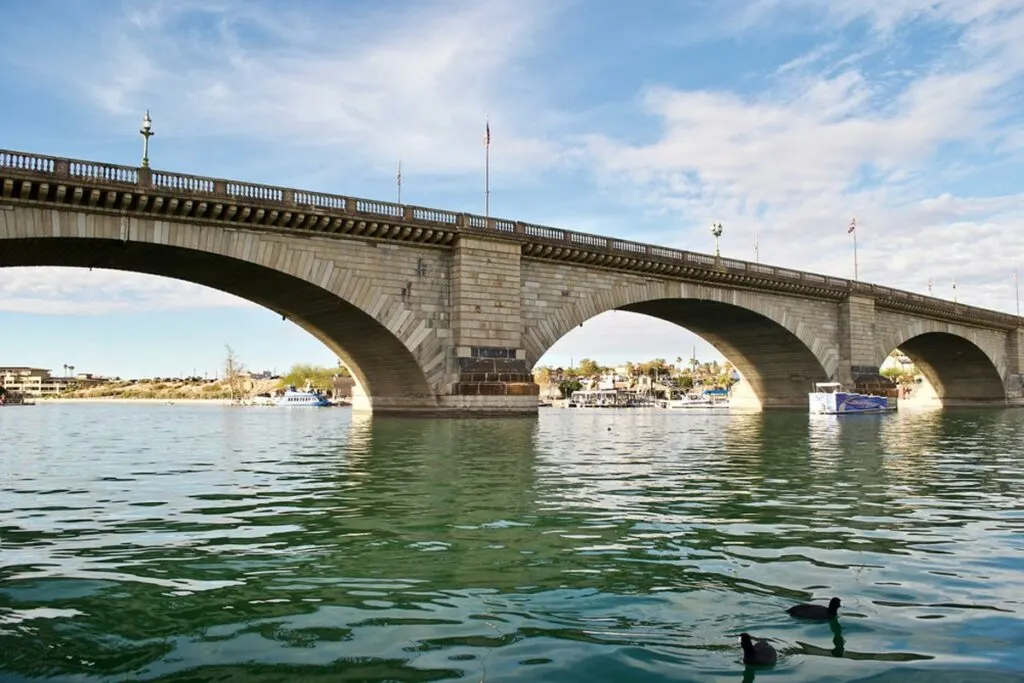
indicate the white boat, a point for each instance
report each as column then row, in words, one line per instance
column 828, row 398
column 309, row 397
column 694, row 401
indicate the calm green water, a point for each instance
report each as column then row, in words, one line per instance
column 201, row 543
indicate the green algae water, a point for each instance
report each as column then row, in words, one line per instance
column 209, row 543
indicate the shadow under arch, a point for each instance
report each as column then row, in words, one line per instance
column 959, row 370
column 379, row 360
column 777, row 366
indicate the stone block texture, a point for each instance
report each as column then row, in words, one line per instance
column 455, row 328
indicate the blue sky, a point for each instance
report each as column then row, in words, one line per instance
column 779, row 118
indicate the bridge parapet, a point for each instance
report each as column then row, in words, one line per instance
column 40, row 178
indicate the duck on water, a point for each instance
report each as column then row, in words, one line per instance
column 816, row 612
column 757, row 651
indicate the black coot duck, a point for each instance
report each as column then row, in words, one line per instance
column 816, row 612
column 757, row 651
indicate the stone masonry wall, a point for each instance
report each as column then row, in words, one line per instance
column 402, row 290
column 558, row 297
column 856, row 339
column 487, row 361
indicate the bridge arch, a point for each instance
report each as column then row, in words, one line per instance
column 780, row 347
column 962, row 364
column 313, row 284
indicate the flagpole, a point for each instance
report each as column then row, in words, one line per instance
column 853, row 230
column 487, row 169
column 1016, row 286
column 757, row 250
column 399, row 179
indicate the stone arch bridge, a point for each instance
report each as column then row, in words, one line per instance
column 446, row 313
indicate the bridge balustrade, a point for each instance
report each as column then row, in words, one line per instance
column 36, row 166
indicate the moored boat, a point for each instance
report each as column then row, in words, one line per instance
column 708, row 400
column 829, row 398
column 13, row 398
column 308, row 398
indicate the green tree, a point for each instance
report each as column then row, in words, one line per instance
column 316, row 376
column 900, row 374
column 590, row 368
column 566, row 387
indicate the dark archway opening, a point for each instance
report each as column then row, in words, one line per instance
column 380, row 362
column 955, row 369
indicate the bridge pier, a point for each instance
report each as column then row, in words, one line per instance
column 857, row 352
column 496, row 394
column 1013, row 382
column 488, row 372
column 486, row 368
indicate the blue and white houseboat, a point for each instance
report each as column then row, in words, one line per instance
column 828, row 398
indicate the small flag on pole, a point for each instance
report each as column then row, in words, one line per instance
column 398, row 180
column 853, row 226
column 487, row 168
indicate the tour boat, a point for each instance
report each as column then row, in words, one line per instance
column 828, row 398
column 709, row 400
column 688, row 402
column 294, row 397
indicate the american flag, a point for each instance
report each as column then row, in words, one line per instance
column 487, row 134
column 853, row 226
column 399, row 176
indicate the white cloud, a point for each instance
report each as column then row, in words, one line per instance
column 796, row 160
column 374, row 86
column 80, row 291
column 826, row 140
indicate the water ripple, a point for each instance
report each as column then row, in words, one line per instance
column 187, row 543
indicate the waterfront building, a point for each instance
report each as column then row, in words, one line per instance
column 39, row 383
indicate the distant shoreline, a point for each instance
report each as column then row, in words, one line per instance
column 112, row 399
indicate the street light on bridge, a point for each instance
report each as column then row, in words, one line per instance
column 147, row 132
column 716, row 230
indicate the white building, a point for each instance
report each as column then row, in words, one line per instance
column 37, row 382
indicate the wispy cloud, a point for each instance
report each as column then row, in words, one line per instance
column 367, row 83
column 80, row 291
column 798, row 158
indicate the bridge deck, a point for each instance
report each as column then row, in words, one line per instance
column 144, row 192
